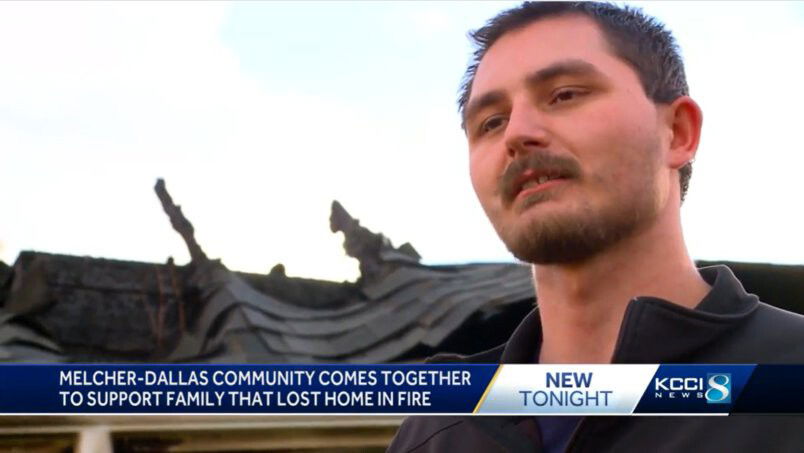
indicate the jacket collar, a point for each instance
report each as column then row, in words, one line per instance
column 655, row 330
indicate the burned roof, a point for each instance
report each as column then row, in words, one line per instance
column 68, row 308
column 95, row 309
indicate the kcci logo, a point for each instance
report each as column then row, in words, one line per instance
column 718, row 388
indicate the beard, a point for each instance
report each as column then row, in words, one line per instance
column 578, row 234
column 571, row 237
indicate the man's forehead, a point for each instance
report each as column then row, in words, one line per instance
column 539, row 45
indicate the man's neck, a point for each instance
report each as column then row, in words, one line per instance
column 582, row 305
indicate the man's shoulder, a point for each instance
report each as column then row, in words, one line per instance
column 489, row 356
column 771, row 335
column 769, row 313
column 777, row 324
column 443, row 433
column 422, row 433
column 435, row 434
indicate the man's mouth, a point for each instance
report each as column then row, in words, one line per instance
column 535, row 181
column 535, row 173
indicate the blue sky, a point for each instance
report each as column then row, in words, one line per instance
column 259, row 114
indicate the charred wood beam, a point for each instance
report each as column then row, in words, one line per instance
column 5, row 281
column 374, row 251
column 359, row 242
column 174, row 281
column 179, row 222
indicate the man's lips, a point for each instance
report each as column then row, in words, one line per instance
column 529, row 172
column 524, row 192
column 532, row 181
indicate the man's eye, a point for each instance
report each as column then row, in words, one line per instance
column 566, row 94
column 492, row 123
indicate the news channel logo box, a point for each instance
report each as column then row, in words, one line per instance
column 694, row 388
column 715, row 388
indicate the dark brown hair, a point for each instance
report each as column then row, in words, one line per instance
column 636, row 38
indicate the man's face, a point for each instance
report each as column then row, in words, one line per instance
column 565, row 147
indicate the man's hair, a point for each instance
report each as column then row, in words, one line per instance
column 636, row 38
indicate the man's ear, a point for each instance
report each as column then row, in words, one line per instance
column 684, row 119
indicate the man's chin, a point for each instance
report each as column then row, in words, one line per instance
column 533, row 202
column 546, row 256
column 557, row 242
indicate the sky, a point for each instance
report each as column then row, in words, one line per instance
column 258, row 115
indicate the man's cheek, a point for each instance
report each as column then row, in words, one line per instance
column 481, row 181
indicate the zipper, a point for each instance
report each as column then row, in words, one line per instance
column 582, row 425
column 624, row 330
column 598, row 422
column 575, row 434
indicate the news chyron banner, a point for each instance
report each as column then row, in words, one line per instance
column 470, row 389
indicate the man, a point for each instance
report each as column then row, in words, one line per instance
column 581, row 136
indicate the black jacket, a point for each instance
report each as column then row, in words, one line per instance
column 728, row 326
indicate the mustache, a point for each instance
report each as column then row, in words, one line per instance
column 541, row 162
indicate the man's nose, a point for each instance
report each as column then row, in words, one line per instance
column 525, row 130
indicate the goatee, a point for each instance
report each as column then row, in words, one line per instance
column 577, row 234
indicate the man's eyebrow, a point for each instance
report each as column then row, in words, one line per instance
column 572, row 67
column 485, row 100
column 562, row 68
